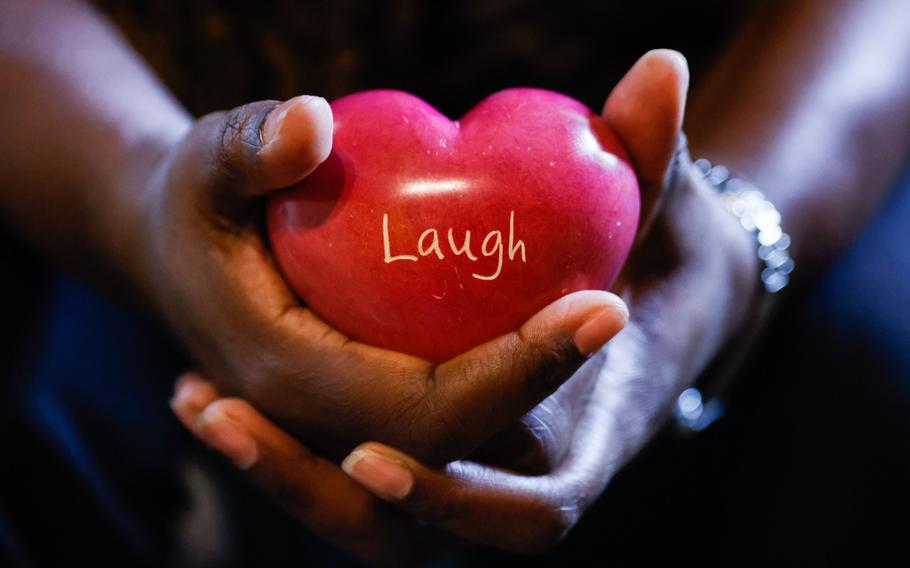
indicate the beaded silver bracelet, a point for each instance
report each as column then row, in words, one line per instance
column 757, row 215
column 698, row 407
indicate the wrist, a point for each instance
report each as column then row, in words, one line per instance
column 738, row 266
column 760, row 267
column 782, row 181
column 743, row 268
column 133, row 190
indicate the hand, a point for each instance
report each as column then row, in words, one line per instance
column 474, row 501
column 687, row 303
column 678, row 292
column 690, row 283
column 312, row 489
column 211, row 275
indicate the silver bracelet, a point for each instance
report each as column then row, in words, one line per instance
column 698, row 407
column 757, row 215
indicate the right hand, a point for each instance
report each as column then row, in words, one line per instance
column 211, row 275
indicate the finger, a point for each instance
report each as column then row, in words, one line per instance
column 317, row 492
column 496, row 507
column 441, row 413
column 646, row 110
column 263, row 146
column 479, row 504
column 296, row 137
column 314, row 490
column 191, row 395
column 539, row 441
column 475, row 395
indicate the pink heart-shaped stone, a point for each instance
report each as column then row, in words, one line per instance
column 430, row 236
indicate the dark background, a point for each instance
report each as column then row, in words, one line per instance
column 809, row 467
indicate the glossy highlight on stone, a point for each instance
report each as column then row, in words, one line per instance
column 431, row 236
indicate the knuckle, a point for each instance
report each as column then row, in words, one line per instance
column 229, row 142
column 443, row 508
column 547, row 365
column 284, row 476
column 540, row 443
column 287, row 491
column 448, row 503
column 549, row 526
column 518, row 449
column 238, row 138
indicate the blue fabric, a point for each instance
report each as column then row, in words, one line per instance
column 91, row 425
column 101, row 455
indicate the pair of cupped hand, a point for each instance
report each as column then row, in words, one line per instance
column 387, row 455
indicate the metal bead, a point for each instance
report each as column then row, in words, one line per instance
column 769, row 235
column 689, row 404
column 773, row 280
column 703, row 166
column 718, row 175
column 786, row 267
column 758, row 216
column 776, row 258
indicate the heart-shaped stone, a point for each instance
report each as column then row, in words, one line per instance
column 430, row 236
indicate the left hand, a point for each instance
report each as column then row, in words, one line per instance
column 684, row 302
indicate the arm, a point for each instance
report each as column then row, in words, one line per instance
column 812, row 104
column 82, row 119
column 107, row 175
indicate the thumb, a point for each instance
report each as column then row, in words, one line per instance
column 646, row 111
column 264, row 146
column 481, row 392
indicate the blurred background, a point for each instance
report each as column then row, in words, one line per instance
column 809, row 466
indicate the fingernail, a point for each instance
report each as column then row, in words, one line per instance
column 600, row 327
column 185, row 400
column 271, row 127
column 226, row 436
column 187, row 403
column 679, row 60
column 388, row 478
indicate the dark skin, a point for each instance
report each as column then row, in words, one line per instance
column 223, row 296
column 140, row 177
column 514, row 507
column 669, row 278
column 167, row 211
